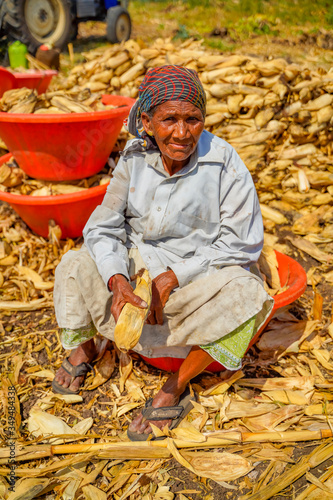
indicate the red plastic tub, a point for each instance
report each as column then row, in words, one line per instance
column 7, row 81
column 291, row 273
column 69, row 211
column 39, row 80
column 64, row 147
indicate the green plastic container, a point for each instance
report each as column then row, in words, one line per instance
column 17, row 52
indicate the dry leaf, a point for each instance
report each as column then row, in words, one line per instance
column 44, row 424
column 288, row 337
column 92, row 493
column 25, row 489
column 104, row 369
column 270, row 384
column 125, row 367
column 187, row 432
column 222, row 387
column 48, row 401
column 48, row 374
column 219, row 466
column 35, row 278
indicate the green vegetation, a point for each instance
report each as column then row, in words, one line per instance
column 329, row 16
column 242, row 18
column 220, row 45
column 182, row 33
column 236, row 24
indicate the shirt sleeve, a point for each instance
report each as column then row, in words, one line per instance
column 241, row 233
column 104, row 234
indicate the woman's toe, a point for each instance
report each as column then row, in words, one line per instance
column 136, row 423
column 59, row 377
column 142, row 427
column 66, row 382
column 75, row 385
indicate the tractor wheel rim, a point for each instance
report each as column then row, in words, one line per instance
column 45, row 19
column 122, row 28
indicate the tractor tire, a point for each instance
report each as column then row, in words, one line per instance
column 12, row 27
column 37, row 22
column 118, row 24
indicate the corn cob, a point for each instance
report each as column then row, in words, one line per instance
column 131, row 320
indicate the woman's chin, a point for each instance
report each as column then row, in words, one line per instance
column 178, row 155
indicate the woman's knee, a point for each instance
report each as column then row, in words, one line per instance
column 72, row 263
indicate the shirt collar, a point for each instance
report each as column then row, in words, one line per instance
column 208, row 150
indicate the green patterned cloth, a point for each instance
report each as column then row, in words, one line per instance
column 230, row 350
column 70, row 339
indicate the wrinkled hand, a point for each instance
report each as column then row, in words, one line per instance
column 123, row 293
column 162, row 286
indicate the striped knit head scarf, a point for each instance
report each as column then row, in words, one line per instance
column 162, row 84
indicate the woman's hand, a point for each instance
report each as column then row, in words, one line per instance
column 162, row 286
column 122, row 293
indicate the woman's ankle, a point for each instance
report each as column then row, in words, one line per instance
column 86, row 350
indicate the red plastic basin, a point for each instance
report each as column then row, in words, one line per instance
column 7, row 81
column 62, row 147
column 39, row 80
column 291, row 273
column 69, row 211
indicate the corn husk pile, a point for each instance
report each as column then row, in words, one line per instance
column 15, row 181
column 27, row 101
column 27, row 263
column 247, row 429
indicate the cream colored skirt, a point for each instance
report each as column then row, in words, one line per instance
column 221, row 312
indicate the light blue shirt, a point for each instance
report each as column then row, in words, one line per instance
column 204, row 217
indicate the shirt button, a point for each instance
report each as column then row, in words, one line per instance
column 158, row 209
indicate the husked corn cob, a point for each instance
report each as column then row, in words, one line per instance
column 131, row 320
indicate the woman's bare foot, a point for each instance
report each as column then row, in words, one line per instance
column 196, row 361
column 85, row 353
column 168, row 396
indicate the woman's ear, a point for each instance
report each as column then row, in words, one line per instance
column 146, row 122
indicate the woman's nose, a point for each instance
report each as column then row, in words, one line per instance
column 181, row 129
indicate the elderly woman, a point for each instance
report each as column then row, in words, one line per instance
column 181, row 204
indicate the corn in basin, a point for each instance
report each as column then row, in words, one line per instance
column 15, row 181
column 27, row 101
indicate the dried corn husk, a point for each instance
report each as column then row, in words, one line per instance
column 41, row 423
column 28, row 488
column 273, row 215
column 35, row 278
column 221, row 466
column 14, row 180
column 12, row 97
column 263, row 117
column 269, row 267
column 131, row 320
column 14, row 101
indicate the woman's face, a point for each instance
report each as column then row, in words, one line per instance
column 176, row 127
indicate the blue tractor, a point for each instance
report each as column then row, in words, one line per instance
column 54, row 22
